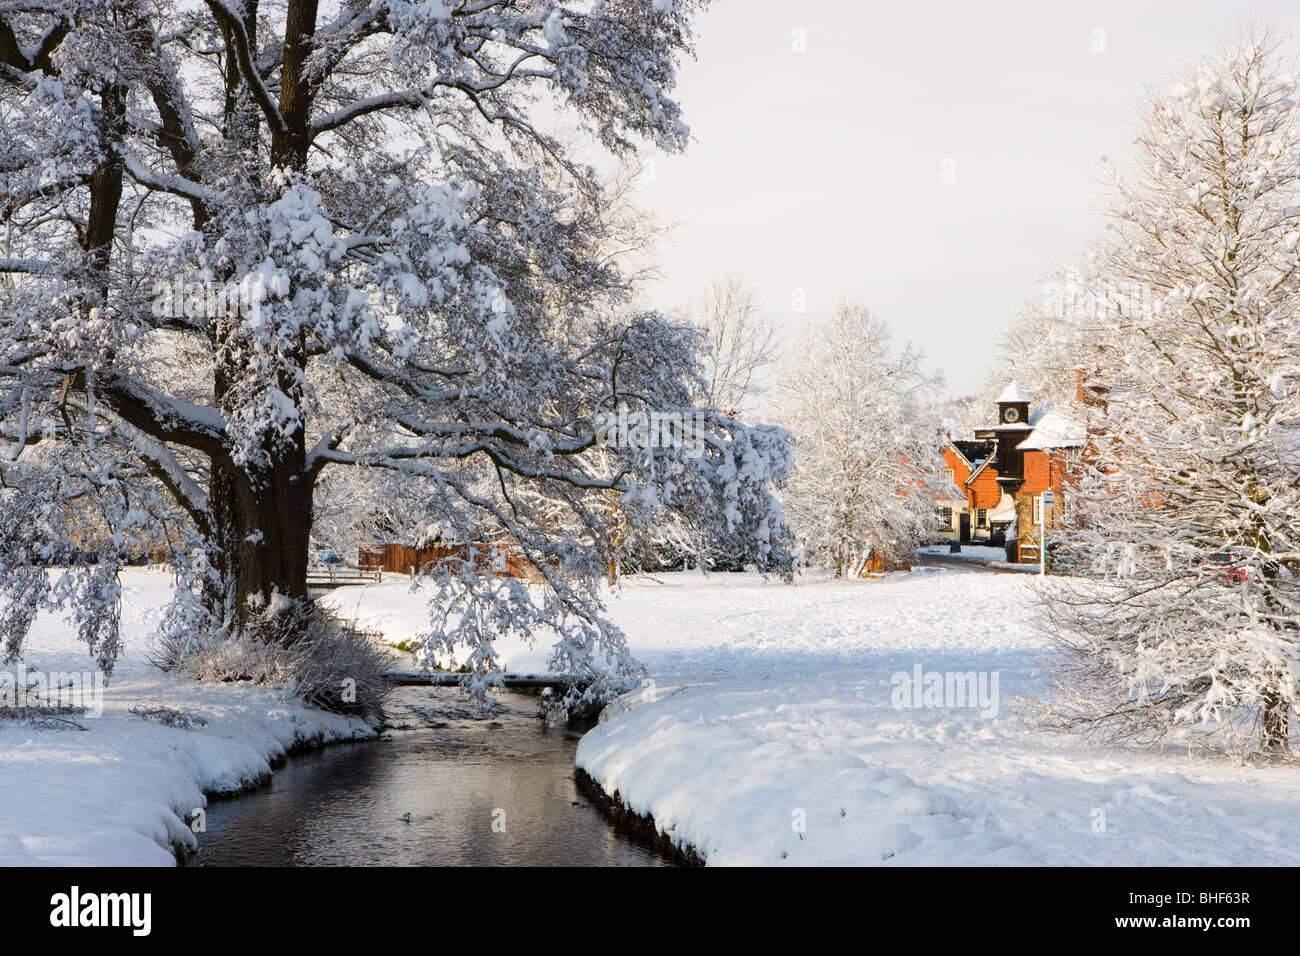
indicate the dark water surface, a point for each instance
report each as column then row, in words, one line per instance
column 494, row 791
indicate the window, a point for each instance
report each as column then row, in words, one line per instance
column 945, row 515
column 981, row 517
column 1038, row 508
column 948, row 475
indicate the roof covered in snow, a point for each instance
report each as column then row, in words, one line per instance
column 1053, row 429
column 974, row 452
column 1013, row 393
column 1006, row 509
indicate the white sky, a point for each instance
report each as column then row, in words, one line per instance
column 822, row 170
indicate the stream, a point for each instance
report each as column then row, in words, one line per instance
column 442, row 787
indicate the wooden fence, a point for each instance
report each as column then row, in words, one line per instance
column 398, row 558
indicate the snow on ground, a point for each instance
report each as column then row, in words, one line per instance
column 977, row 554
column 774, row 712
column 121, row 792
column 771, row 699
column 770, row 735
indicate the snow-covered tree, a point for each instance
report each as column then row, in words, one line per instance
column 1188, row 515
column 251, row 244
column 959, row 417
column 867, row 455
column 741, row 342
column 1037, row 350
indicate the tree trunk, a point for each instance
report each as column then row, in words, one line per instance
column 1275, row 721
column 275, row 518
column 223, row 546
column 261, row 536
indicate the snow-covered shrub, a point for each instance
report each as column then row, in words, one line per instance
column 319, row 659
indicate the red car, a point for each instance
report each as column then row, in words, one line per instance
column 1232, row 572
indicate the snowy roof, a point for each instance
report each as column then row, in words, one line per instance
column 1013, row 393
column 975, row 452
column 1006, row 509
column 436, row 532
column 1053, row 429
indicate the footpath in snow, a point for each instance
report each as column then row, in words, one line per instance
column 123, row 791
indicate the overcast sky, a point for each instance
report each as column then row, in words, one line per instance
column 824, row 170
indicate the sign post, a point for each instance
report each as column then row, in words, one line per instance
column 1045, row 501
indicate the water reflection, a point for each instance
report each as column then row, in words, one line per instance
column 442, row 789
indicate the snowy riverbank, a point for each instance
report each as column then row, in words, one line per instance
column 773, row 710
column 122, row 791
column 772, row 737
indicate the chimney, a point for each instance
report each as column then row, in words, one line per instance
column 1090, row 396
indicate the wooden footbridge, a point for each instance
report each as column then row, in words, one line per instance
column 418, row 677
column 332, row 576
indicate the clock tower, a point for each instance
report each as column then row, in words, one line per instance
column 1013, row 406
column 1012, row 428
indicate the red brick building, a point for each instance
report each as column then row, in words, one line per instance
column 999, row 477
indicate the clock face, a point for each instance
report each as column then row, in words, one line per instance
column 1011, row 415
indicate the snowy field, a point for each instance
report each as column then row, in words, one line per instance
column 770, row 735
column 122, row 791
column 775, row 708
column 772, row 711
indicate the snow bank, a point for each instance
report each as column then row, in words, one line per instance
column 773, row 734
column 121, row 792
column 722, row 772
